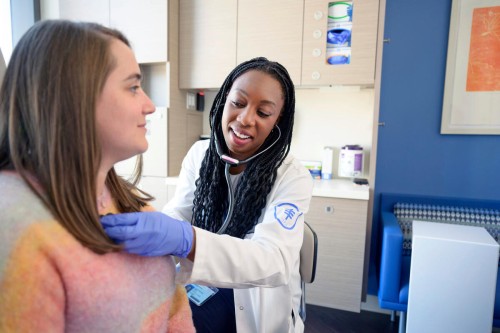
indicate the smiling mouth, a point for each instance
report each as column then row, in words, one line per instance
column 240, row 135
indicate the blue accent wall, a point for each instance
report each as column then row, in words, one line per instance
column 412, row 156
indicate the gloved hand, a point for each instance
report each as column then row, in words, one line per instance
column 149, row 233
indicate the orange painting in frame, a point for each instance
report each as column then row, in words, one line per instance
column 483, row 70
column 471, row 99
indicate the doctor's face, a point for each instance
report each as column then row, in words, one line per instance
column 253, row 106
column 122, row 108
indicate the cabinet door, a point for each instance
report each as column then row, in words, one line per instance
column 272, row 29
column 144, row 22
column 170, row 192
column 361, row 69
column 207, row 42
column 341, row 228
column 155, row 158
column 89, row 10
column 157, row 188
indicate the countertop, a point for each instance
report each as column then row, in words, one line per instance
column 340, row 188
column 335, row 188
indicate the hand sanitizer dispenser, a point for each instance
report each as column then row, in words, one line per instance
column 351, row 161
column 327, row 164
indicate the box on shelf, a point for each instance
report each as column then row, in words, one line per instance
column 314, row 168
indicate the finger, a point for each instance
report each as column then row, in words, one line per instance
column 126, row 219
column 144, row 247
column 120, row 233
column 134, row 244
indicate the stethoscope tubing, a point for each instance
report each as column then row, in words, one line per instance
column 229, row 214
column 229, row 162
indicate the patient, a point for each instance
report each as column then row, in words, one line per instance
column 71, row 106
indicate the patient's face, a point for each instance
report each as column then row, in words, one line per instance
column 122, row 108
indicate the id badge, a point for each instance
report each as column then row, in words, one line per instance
column 200, row 294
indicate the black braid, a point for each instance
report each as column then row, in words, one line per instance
column 210, row 198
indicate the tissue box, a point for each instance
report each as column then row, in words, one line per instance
column 314, row 168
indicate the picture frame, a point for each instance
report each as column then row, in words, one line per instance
column 471, row 101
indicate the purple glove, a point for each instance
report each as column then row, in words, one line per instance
column 149, row 233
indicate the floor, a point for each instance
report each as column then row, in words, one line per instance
column 326, row 320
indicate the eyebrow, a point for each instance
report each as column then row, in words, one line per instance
column 264, row 101
column 134, row 76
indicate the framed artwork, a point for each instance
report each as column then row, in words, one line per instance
column 471, row 103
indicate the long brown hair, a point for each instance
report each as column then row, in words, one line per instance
column 48, row 103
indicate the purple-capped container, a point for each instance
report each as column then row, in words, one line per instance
column 351, row 161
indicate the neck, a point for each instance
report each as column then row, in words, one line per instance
column 237, row 169
column 101, row 181
column 103, row 197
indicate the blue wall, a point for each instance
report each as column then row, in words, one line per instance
column 413, row 157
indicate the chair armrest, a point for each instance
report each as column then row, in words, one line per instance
column 390, row 258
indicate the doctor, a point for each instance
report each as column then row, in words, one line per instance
column 246, row 199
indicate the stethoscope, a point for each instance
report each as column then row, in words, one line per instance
column 232, row 162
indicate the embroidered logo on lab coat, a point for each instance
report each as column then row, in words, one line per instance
column 287, row 215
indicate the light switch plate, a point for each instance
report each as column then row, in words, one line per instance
column 191, row 101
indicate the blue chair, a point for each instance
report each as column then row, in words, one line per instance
column 393, row 266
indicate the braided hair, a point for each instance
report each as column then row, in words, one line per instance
column 210, row 203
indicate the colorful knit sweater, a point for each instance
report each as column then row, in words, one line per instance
column 49, row 282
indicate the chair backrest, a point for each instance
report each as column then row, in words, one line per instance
column 308, row 254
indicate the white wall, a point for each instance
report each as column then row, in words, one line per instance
column 49, row 9
column 326, row 117
column 5, row 30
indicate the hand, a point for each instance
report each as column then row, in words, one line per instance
column 149, row 233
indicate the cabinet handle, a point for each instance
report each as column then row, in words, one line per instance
column 318, row 15
column 387, row 40
column 329, row 209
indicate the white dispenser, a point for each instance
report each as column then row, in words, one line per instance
column 327, row 164
column 351, row 161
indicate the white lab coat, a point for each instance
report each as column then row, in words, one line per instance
column 264, row 267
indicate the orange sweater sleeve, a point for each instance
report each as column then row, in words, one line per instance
column 180, row 312
column 31, row 292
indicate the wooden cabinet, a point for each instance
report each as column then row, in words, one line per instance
column 292, row 32
column 207, row 42
column 361, row 70
column 78, row 10
column 144, row 22
column 170, row 192
column 341, row 228
column 272, row 29
column 217, row 35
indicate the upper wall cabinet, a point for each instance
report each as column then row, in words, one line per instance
column 78, row 10
column 144, row 22
column 340, row 42
column 217, row 35
column 272, row 29
column 320, row 42
column 207, row 42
